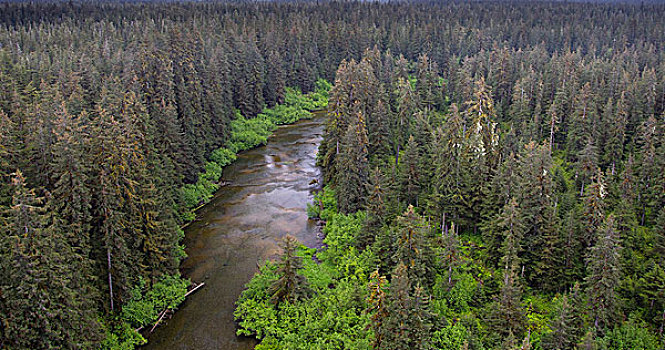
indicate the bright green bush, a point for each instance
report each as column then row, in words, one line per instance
column 333, row 317
column 453, row 336
column 223, row 156
column 632, row 335
column 249, row 133
column 122, row 336
column 143, row 309
column 324, row 205
column 341, row 232
column 145, row 305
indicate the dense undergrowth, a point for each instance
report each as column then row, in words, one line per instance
column 341, row 309
column 334, row 316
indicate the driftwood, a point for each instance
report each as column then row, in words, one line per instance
column 194, row 289
column 159, row 320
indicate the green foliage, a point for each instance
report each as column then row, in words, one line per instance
column 632, row 334
column 537, row 311
column 341, row 232
column 453, row 336
column 324, row 206
column 145, row 304
column 313, row 101
column 249, row 133
column 143, row 309
column 332, row 317
column 458, row 298
column 223, row 156
column 284, row 113
column 122, row 336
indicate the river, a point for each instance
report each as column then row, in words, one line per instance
column 266, row 197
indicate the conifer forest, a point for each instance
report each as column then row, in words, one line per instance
column 492, row 172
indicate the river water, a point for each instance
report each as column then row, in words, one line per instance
column 266, row 198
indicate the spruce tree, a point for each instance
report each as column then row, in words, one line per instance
column 615, row 134
column 275, row 87
column 376, row 209
column 411, row 172
column 116, row 158
column 290, row 286
column 412, row 247
column 603, row 276
column 535, row 190
column 378, row 309
column 508, row 317
column 6, row 157
column 353, row 167
column 563, row 327
column 41, row 306
column 583, row 124
column 427, row 81
column 593, row 210
column 408, row 320
column 649, row 169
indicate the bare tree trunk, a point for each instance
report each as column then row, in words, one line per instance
column 552, row 133
column 397, row 157
column 444, row 229
column 108, row 259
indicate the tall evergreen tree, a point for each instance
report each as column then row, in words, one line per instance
column 411, row 172
column 378, row 309
column 37, row 269
column 376, row 209
column 603, row 276
column 508, row 318
column 408, row 320
column 593, row 212
column 563, row 327
column 535, row 190
column 413, row 248
column 290, row 286
column 353, row 167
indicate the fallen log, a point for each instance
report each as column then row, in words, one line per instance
column 159, row 320
column 195, row 288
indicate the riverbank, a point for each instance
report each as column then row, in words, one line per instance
column 332, row 312
column 239, row 229
column 247, row 134
column 147, row 306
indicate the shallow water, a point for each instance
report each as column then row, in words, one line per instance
column 266, row 198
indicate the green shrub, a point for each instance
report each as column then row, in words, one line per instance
column 143, row 309
column 632, row 335
column 453, row 336
column 223, row 156
column 145, row 305
column 121, row 336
